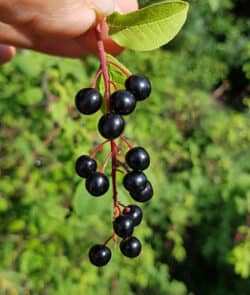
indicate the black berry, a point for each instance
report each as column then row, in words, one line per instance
column 99, row 255
column 123, row 226
column 135, row 213
column 85, row 166
column 144, row 195
column 134, row 181
column 88, row 101
column 111, row 125
column 38, row 163
column 139, row 85
column 130, row 247
column 97, row 184
column 122, row 102
column 138, row 158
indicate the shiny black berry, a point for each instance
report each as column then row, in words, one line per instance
column 123, row 226
column 122, row 102
column 88, row 101
column 138, row 158
column 85, row 166
column 97, row 184
column 144, row 195
column 130, row 247
column 111, row 125
column 139, row 85
column 135, row 213
column 134, row 181
column 99, row 255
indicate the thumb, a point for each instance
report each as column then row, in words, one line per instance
column 102, row 7
column 6, row 53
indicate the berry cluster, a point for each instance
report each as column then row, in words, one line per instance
column 111, row 126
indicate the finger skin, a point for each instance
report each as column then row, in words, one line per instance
column 6, row 53
column 111, row 47
column 127, row 6
column 59, row 32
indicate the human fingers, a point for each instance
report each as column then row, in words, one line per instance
column 102, row 7
column 64, row 18
column 89, row 38
column 6, row 53
column 62, row 35
column 127, row 6
column 55, row 46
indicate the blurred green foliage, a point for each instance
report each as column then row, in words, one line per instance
column 196, row 125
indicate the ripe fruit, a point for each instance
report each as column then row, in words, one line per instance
column 97, row 184
column 130, row 247
column 138, row 158
column 122, row 102
column 111, row 125
column 88, row 101
column 134, row 181
column 139, row 85
column 123, row 226
column 85, row 166
column 99, row 255
column 135, row 213
column 144, row 195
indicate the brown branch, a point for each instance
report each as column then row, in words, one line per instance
column 46, row 141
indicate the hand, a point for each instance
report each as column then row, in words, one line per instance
column 64, row 28
column 6, row 53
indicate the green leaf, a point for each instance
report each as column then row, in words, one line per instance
column 26, row 65
column 31, row 96
column 150, row 27
column 214, row 5
column 85, row 205
column 112, row 59
column 116, row 75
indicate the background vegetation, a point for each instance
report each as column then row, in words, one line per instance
column 196, row 126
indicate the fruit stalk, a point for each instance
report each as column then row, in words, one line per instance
column 105, row 73
column 111, row 125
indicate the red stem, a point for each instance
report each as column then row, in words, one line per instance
column 119, row 170
column 103, row 61
column 105, row 73
column 98, row 148
column 114, row 85
column 127, row 209
column 106, row 162
column 113, row 237
column 122, row 165
column 94, row 81
column 113, row 151
column 126, row 141
column 126, row 73
column 124, row 206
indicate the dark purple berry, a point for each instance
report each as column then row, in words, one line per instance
column 38, row 163
column 97, row 184
column 111, row 125
column 135, row 213
column 130, row 247
column 144, row 195
column 123, row 226
column 122, row 102
column 85, row 166
column 137, row 158
column 88, row 101
column 99, row 255
column 134, row 181
column 139, row 85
